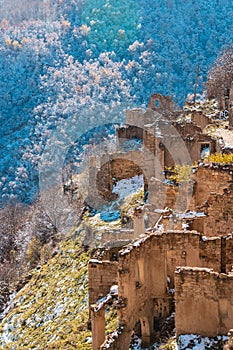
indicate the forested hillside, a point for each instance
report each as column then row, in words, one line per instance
column 63, row 59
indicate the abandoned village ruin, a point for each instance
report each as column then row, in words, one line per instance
column 179, row 254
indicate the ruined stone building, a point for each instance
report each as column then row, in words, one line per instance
column 179, row 255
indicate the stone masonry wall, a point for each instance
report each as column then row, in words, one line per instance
column 115, row 170
column 101, row 276
column 204, row 302
column 128, row 132
column 228, row 253
column 142, row 283
column 145, row 274
column 191, row 249
column 209, row 179
column 146, row 270
column 200, row 119
column 219, row 209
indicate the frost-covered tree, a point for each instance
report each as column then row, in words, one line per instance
column 53, row 65
column 220, row 77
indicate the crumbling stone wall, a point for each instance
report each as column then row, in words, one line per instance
column 114, row 170
column 111, row 168
column 101, row 276
column 181, row 250
column 219, row 210
column 143, row 124
column 117, row 235
column 199, row 119
column 161, row 139
column 146, row 274
column 129, row 132
column 161, row 103
column 217, row 204
column 118, row 340
column 204, row 302
column 142, row 285
column 189, row 248
column 211, row 252
column 194, row 139
column 146, row 270
column 210, row 179
column 135, row 117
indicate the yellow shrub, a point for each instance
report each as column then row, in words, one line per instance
column 221, row 158
column 181, row 173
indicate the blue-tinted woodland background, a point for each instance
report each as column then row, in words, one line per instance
column 59, row 57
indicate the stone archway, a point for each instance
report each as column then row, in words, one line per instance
column 116, row 170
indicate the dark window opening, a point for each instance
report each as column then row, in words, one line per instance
column 204, row 150
column 114, row 257
column 156, row 324
column 137, row 329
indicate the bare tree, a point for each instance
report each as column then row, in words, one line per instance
column 220, row 79
column 11, row 219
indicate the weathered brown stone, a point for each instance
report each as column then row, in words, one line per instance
column 145, row 268
column 204, row 302
column 146, row 272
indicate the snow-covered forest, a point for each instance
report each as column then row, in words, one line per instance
column 63, row 62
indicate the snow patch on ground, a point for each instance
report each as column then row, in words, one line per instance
column 126, row 187
column 226, row 135
column 187, row 341
column 199, row 343
column 122, row 188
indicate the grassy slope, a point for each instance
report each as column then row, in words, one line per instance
column 51, row 311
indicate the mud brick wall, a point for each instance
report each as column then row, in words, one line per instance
column 204, row 302
column 129, row 132
column 203, row 297
column 115, row 168
column 209, row 180
column 219, row 219
column 101, row 276
column 200, row 119
column 161, row 103
column 229, row 253
column 142, row 273
column 182, row 250
column 118, row 340
column 189, row 248
column 135, row 117
column 142, row 280
column 193, row 137
column 210, row 253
